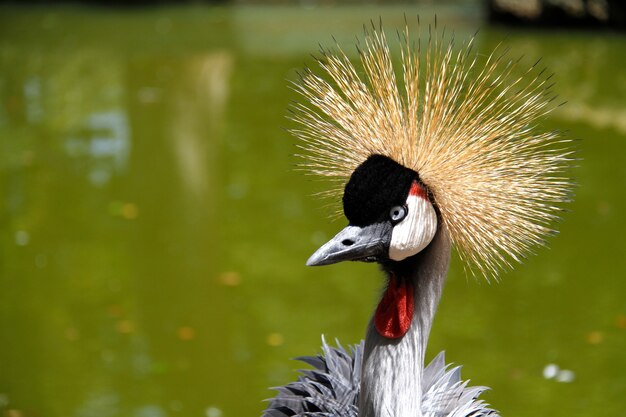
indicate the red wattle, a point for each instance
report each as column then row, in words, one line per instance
column 395, row 311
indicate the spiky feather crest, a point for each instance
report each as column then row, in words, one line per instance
column 466, row 125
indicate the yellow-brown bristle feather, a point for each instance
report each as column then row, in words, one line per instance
column 467, row 126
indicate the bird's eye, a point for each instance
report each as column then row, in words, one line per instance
column 397, row 213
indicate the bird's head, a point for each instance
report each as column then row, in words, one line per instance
column 390, row 214
column 448, row 140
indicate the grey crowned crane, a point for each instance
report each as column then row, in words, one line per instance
column 442, row 150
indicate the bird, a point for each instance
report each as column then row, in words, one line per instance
column 434, row 148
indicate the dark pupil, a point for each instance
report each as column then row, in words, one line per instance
column 396, row 212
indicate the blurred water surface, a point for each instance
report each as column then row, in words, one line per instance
column 153, row 230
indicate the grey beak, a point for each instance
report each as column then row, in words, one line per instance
column 354, row 243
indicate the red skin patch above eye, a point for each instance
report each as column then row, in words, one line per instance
column 418, row 190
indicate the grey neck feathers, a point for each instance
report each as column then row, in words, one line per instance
column 392, row 368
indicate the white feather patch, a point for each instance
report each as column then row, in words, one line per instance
column 415, row 231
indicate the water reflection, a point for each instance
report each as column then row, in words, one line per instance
column 552, row 371
column 105, row 140
column 154, row 232
column 110, row 164
column 197, row 118
column 595, row 100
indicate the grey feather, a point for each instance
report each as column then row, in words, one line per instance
column 331, row 389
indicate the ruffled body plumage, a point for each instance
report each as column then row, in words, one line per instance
column 331, row 388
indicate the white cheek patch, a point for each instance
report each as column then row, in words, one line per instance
column 417, row 229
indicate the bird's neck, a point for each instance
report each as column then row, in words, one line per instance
column 391, row 380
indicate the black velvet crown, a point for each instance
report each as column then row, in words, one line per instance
column 375, row 186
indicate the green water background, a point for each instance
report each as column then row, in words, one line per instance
column 153, row 231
